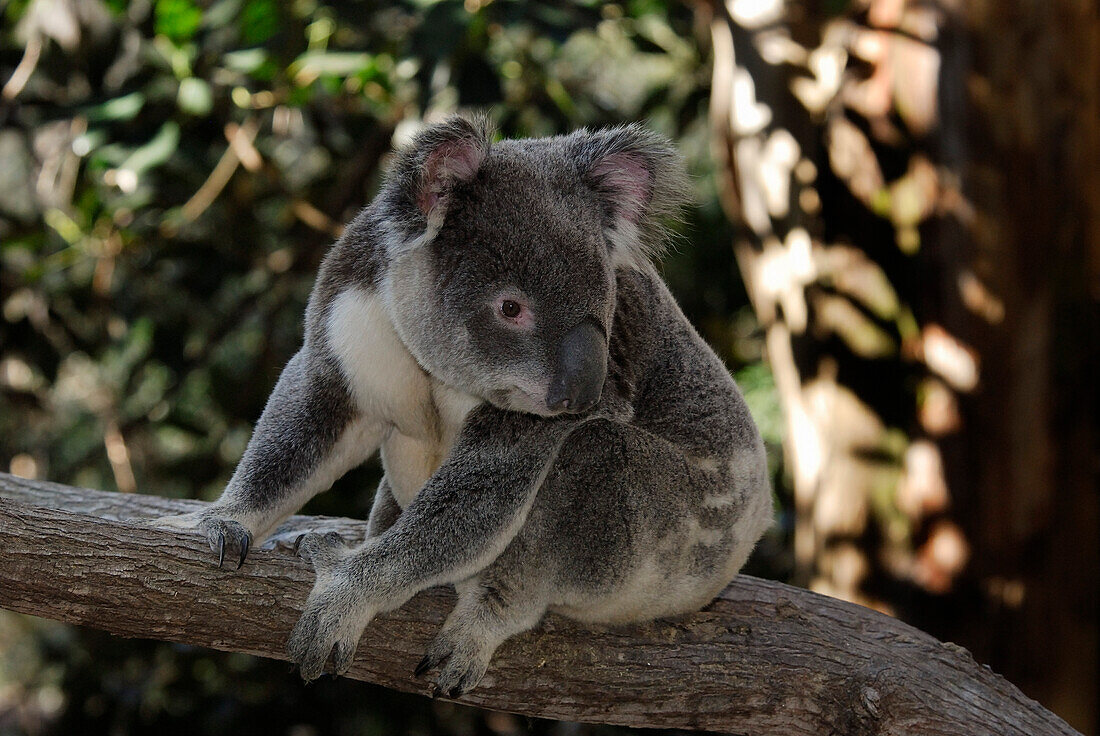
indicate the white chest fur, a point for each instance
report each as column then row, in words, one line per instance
column 423, row 416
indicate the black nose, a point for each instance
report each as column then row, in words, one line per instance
column 580, row 371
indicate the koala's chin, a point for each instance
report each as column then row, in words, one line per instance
column 515, row 398
column 538, row 401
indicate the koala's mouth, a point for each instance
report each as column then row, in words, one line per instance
column 517, row 399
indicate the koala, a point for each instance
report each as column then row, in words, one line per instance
column 555, row 435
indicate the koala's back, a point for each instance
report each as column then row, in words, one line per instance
column 683, row 391
column 654, row 515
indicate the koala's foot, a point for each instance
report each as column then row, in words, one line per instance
column 462, row 661
column 221, row 534
column 336, row 611
column 483, row 618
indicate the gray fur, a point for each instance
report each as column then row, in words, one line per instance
column 644, row 505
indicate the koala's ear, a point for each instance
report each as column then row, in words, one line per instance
column 426, row 171
column 641, row 181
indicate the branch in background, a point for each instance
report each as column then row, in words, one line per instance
column 764, row 658
column 316, row 219
column 18, row 79
column 240, row 150
column 119, row 456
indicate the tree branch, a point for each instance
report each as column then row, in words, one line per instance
column 764, row 658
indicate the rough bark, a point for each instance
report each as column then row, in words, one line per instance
column 764, row 658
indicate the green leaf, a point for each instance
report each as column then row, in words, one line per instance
column 177, row 19
column 16, row 9
column 307, row 67
column 120, row 108
column 156, row 151
column 245, row 61
column 758, row 386
column 259, row 21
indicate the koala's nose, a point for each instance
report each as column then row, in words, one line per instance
column 581, row 369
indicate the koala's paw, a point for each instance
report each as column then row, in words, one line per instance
column 324, row 551
column 335, row 613
column 462, row 662
column 221, row 534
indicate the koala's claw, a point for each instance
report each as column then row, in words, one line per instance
column 321, row 636
column 342, row 657
column 461, row 665
column 455, row 692
column 224, row 536
column 438, row 653
column 456, row 682
column 245, row 544
column 220, row 532
column 242, row 538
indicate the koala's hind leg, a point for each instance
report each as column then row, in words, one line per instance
column 384, row 511
column 636, row 527
column 502, row 601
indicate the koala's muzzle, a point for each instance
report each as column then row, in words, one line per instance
column 580, row 371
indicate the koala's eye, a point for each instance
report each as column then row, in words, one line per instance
column 514, row 311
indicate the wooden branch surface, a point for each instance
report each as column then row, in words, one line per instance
column 764, row 658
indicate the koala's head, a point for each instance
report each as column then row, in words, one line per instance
column 502, row 256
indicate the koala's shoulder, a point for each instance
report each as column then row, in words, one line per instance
column 357, row 259
column 636, row 306
column 641, row 297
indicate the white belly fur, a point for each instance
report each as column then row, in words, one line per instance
column 422, row 415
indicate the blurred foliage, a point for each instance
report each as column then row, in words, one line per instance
column 171, row 173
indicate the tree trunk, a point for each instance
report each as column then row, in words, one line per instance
column 1025, row 468
column 918, row 193
column 764, row 658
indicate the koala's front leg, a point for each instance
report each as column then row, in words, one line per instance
column 459, row 522
column 310, row 433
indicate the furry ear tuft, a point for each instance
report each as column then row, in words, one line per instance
column 642, row 181
column 451, row 161
column 626, row 182
column 425, row 172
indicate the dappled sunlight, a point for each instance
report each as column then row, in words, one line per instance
column 950, row 358
column 922, row 491
column 933, row 162
column 756, row 13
